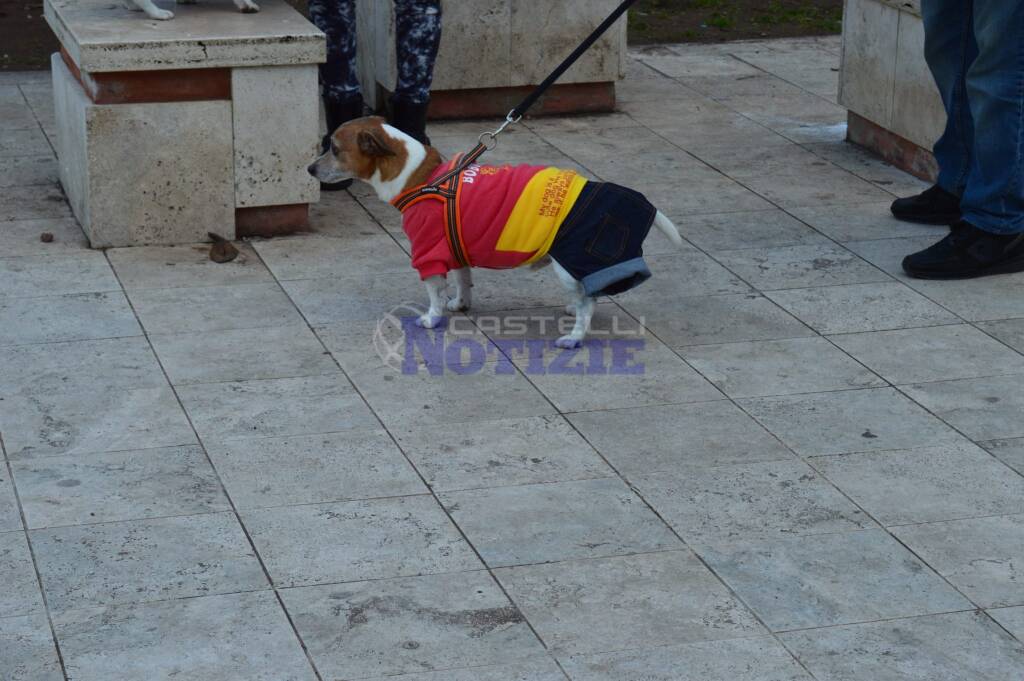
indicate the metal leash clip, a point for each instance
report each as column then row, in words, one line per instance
column 492, row 137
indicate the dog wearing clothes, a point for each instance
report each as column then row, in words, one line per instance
column 499, row 217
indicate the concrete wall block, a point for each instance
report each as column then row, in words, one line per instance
column 274, row 146
column 70, row 104
column 870, row 38
column 159, row 173
column 918, row 114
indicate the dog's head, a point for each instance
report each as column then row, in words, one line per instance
column 370, row 150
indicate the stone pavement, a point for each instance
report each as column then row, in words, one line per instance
column 781, row 460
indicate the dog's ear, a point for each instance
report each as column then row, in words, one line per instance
column 372, row 145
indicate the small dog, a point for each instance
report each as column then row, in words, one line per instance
column 154, row 12
column 591, row 233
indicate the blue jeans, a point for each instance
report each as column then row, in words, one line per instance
column 975, row 50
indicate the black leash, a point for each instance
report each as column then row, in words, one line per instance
column 516, row 114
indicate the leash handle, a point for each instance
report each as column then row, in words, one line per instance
column 532, row 98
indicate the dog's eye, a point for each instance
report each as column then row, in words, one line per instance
column 334, row 149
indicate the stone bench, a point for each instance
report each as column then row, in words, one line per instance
column 168, row 130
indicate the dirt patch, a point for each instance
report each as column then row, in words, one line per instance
column 713, row 21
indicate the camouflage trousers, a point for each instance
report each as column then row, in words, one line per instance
column 418, row 35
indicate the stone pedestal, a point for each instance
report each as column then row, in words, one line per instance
column 894, row 105
column 168, row 130
column 493, row 51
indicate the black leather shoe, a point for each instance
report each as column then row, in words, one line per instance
column 336, row 114
column 968, row 252
column 933, row 206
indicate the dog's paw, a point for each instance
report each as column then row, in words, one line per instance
column 247, row 6
column 568, row 342
column 428, row 321
column 457, row 305
column 160, row 14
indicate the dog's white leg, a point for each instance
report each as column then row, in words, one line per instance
column 582, row 304
column 151, row 10
column 463, row 290
column 436, row 286
column 247, row 6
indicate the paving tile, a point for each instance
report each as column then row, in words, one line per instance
column 1012, row 619
column 414, row 624
column 955, row 647
column 1009, row 331
column 704, row 320
column 21, row 237
column 869, row 166
column 681, row 275
column 236, row 636
column 985, row 299
column 24, row 171
column 33, row 203
column 24, row 141
column 756, row 229
column 184, row 266
column 829, row 579
column 925, row 485
column 1010, row 452
column 340, row 213
column 656, row 599
column 26, row 650
column 978, row 556
column 515, row 451
column 357, row 540
column 539, row 669
column 742, row 659
column 98, row 488
column 922, row 355
column 403, row 400
column 887, row 254
column 210, row 356
column 83, row 422
column 981, row 408
column 649, row 439
column 308, row 469
column 10, row 515
column 552, row 522
column 66, row 318
column 862, row 307
column 145, row 560
column 276, row 407
column 20, row 595
column 611, row 373
column 763, row 368
column 213, row 308
column 89, row 364
column 352, row 299
column 523, row 288
column 849, row 421
column 32, row 276
column 366, row 252
column 862, row 222
column 728, row 503
column 799, row 267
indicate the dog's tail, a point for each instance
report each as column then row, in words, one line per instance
column 667, row 228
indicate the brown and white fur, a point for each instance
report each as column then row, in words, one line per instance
column 154, row 12
column 392, row 162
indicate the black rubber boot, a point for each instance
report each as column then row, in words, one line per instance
column 338, row 113
column 410, row 118
column 933, row 206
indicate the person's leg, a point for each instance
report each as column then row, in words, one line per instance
column 990, row 237
column 417, row 38
column 993, row 199
column 339, row 80
column 949, row 49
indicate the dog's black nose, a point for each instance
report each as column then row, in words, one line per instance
column 311, row 169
